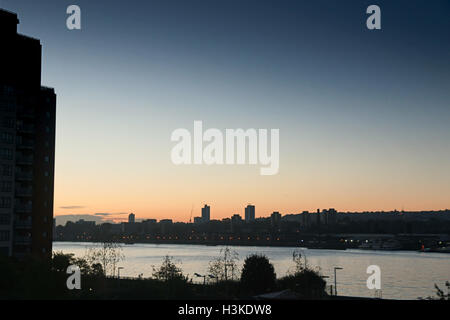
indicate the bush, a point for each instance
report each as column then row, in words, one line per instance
column 307, row 283
column 258, row 275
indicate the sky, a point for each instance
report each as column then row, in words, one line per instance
column 363, row 114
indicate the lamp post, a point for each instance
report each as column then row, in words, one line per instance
column 200, row 276
column 335, row 282
column 118, row 272
column 213, row 277
column 118, row 275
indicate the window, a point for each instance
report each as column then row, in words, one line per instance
column 5, row 202
column 4, row 235
column 6, row 137
column 6, row 170
column 5, row 186
column 6, row 153
column 8, row 105
column 46, row 159
column 5, row 219
column 9, row 123
column 46, row 173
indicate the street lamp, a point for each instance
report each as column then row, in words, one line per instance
column 213, row 277
column 335, row 282
column 200, row 276
column 118, row 275
column 118, row 272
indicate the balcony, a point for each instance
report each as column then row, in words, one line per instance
column 25, row 128
column 24, row 192
column 22, row 223
column 25, row 113
column 22, row 240
column 23, row 208
column 25, row 145
column 27, row 160
column 24, row 176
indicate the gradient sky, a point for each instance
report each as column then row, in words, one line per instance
column 363, row 115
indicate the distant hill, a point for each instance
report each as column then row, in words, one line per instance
column 62, row 219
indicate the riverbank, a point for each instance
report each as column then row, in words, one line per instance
column 387, row 243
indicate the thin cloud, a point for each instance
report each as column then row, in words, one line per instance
column 72, row 207
column 109, row 213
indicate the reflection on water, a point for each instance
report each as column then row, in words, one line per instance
column 404, row 275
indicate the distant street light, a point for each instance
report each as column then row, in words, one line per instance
column 118, row 272
column 200, row 276
column 213, row 277
column 335, row 282
column 118, row 275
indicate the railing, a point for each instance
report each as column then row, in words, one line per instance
column 24, row 160
column 25, row 128
column 23, row 208
column 25, row 145
column 22, row 223
column 24, row 192
column 22, row 239
column 28, row 176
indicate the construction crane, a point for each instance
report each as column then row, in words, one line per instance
column 190, row 218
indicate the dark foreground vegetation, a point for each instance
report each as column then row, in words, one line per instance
column 33, row 279
column 37, row 279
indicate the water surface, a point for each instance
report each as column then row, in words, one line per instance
column 404, row 274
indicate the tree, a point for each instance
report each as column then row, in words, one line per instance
column 60, row 261
column 224, row 266
column 258, row 274
column 441, row 294
column 168, row 271
column 107, row 255
column 300, row 262
column 303, row 280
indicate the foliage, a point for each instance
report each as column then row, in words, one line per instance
column 168, row 271
column 299, row 263
column 60, row 261
column 105, row 255
column 441, row 294
column 258, row 274
column 220, row 267
column 305, row 281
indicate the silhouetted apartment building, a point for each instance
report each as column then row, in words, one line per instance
column 198, row 220
column 206, row 213
column 275, row 219
column 131, row 218
column 249, row 213
column 27, row 145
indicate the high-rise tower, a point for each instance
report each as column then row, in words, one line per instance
column 27, row 145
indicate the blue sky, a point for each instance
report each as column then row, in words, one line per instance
column 363, row 115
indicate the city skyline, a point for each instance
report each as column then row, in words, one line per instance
column 363, row 116
column 196, row 217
